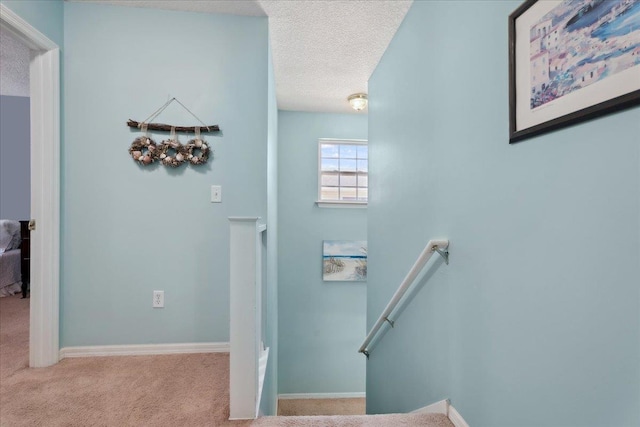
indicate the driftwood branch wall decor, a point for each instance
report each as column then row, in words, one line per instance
column 171, row 152
column 167, row 128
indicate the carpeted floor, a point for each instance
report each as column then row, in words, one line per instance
column 14, row 335
column 172, row 390
column 345, row 406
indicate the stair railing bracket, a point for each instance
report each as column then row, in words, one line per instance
column 366, row 353
column 391, row 322
column 444, row 253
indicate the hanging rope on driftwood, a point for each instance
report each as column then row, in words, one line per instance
column 168, row 128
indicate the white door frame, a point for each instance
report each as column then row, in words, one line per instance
column 45, row 189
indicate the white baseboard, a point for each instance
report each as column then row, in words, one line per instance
column 441, row 407
column 444, row 407
column 455, row 418
column 322, row 396
column 143, row 349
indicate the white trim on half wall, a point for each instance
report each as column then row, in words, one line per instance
column 143, row 349
column 45, row 189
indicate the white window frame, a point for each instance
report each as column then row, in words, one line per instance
column 337, row 203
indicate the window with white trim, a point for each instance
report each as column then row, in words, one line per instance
column 343, row 172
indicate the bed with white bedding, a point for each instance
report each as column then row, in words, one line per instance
column 10, row 258
column 10, row 273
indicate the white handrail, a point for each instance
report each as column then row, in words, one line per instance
column 439, row 246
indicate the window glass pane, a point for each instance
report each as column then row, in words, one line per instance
column 363, row 180
column 347, row 151
column 343, row 172
column 329, row 193
column 348, row 179
column 347, row 193
column 347, row 165
column 330, row 164
column 330, row 179
column 363, row 194
column 330, row 150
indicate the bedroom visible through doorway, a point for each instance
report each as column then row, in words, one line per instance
column 15, row 201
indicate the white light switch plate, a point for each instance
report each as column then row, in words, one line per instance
column 216, row 194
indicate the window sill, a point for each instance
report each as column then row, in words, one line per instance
column 341, row 204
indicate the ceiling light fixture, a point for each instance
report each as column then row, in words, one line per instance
column 358, row 101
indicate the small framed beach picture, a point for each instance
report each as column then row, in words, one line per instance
column 571, row 61
column 344, row 260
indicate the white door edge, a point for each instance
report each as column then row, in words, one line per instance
column 45, row 189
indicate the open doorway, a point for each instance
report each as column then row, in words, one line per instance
column 15, row 202
column 44, row 177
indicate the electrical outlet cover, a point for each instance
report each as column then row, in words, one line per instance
column 158, row 299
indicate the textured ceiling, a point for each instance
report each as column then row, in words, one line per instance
column 14, row 65
column 323, row 50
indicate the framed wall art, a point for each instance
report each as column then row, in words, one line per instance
column 344, row 260
column 571, row 61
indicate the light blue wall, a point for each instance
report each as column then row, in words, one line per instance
column 15, row 158
column 270, row 388
column 128, row 230
column 46, row 16
column 321, row 324
column 536, row 320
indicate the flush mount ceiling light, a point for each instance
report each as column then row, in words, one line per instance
column 358, row 101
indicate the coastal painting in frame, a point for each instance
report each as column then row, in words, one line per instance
column 570, row 61
column 344, row 260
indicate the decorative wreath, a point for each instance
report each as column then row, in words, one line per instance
column 175, row 158
column 197, row 144
column 144, row 150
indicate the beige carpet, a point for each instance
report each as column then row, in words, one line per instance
column 173, row 390
column 14, row 335
column 347, row 406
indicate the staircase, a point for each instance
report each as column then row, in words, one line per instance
column 248, row 357
column 388, row 420
column 439, row 414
